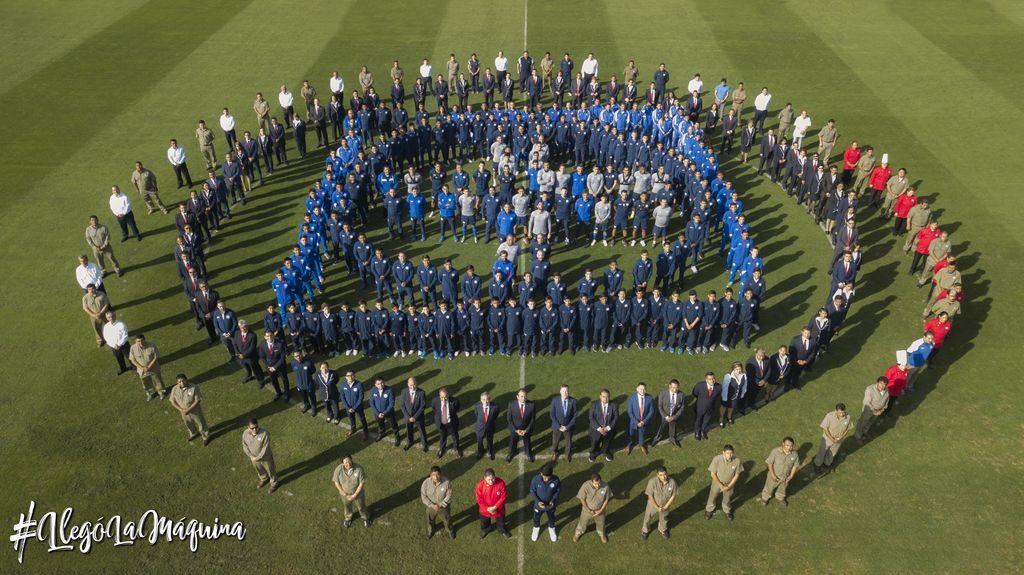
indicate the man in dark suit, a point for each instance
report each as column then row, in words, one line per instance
column 318, row 115
column 266, row 146
column 843, row 272
column 780, row 160
column 486, row 415
column 277, row 137
column 489, row 84
column 693, row 106
column 244, row 342
column 563, row 422
column 670, row 407
column 462, row 91
column 780, row 366
column 707, row 394
column 558, row 86
column 729, row 125
column 446, row 418
column 204, row 302
column 604, row 414
column 507, row 89
column 758, row 370
column 412, row 403
column 397, row 94
column 640, row 409
column 612, row 89
column 534, row 89
column 226, row 324
column 441, row 92
column 521, row 415
column 767, row 152
column 577, row 88
column 846, row 236
column 802, row 349
column 272, row 352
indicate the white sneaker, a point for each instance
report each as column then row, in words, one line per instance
column 632, row 243
column 693, row 269
column 552, row 534
column 535, row 534
column 465, row 354
column 403, row 354
column 396, row 354
column 643, row 243
column 592, row 242
column 605, row 242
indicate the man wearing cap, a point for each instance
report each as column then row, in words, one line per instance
column 350, row 481
column 725, row 471
column 661, row 493
column 95, row 305
column 436, row 495
column 783, row 461
column 146, row 358
column 835, row 426
column 186, row 399
column 594, row 496
column 256, row 446
column 876, row 401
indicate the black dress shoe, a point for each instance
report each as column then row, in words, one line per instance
column 508, row 458
column 478, row 455
column 406, row 447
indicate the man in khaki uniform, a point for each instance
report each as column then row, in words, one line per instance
column 350, row 480
column 949, row 304
column 739, row 96
column 262, row 109
column 256, row 445
column 865, row 165
column 365, row 79
column 876, row 400
column 943, row 280
column 204, row 136
column 397, row 74
column 97, row 236
column 95, row 305
column 783, row 461
column 436, row 495
column 725, row 471
column 917, row 218
column 453, row 70
column 145, row 183
column 893, row 188
column 630, row 72
column 546, row 66
column 146, row 358
column 186, row 399
column 594, row 496
column 939, row 249
column 834, row 427
column 661, row 492
column 786, row 117
column 827, row 138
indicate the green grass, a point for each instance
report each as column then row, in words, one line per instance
column 929, row 83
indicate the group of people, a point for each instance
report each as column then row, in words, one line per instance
column 650, row 156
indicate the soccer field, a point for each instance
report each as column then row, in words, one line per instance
column 90, row 87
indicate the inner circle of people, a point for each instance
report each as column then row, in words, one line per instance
column 602, row 161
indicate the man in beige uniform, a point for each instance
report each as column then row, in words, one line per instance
column 939, row 249
column 262, row 109
column 97, row 236
column 397, row 74
column 725, row 471
column 739, row 96
column 834, row 428
column 876, row 399
column 256, row 445
column 204, row 136
column 365, row 79
column 186, row 399
column 145, row 183
column 630, row 72
column 893, row 188
column 827, row 138
column 783, row 461
column 864, row 167
column 661, row 492
column 949, row 304
column 453, row 70
column 944, row 280
column 594, row 496
column 95, row 305
column 436, row 495
column 146, row 358
column 917, row 218
column 350, row 481
column 786, row 117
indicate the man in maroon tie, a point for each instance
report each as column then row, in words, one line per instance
column 486, row 415
column 244, row 342
column 521, row 412
column 603, row 416
column 706, row 394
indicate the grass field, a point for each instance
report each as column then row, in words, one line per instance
column 90, row 87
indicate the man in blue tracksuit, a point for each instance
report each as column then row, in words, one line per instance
column 656, row 317
column 639, row 316
column 568, row 321
column 692, row 313
column 363, row 251
column 426, row 273
column 739, row 249
column 513, row 328
column 393, row 211
column 398, row 330
column 642, row 271
column 426, row 332
column 380, row 267
column 621, row 321
column 556, row 289
column 681, row 251
column 747, row 314
column 417, row 205
column 347, row 328
column 352, row 403
column 585, row 322
column 752, row 263
column 491, row 209
column 382, row 402
column 496, row 328
column 696, row 234
column 471, row 284
column 380, row 320
column 672, row 318
column 729, row 319
column 602, row 324
column 548, row 324
column 710, row 321
column 311, row 324
column 448, row 277
column 403, row 273
column 531, row 321
column 364, row 329
column 446, row 202
column 665, row 268
column 612, row 279
column 444, row 329
column 544, row 489
column 477, row 327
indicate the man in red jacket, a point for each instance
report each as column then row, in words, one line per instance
column 939, row 326
column 490, row 499
column 879, row 178
column 907, row 200
column 850, row 158
column 924, row 239
column 897, row 376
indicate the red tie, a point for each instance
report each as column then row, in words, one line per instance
column 710, row 388
column 846, row 267
column 270, row 349
column 522, row 411
column 485, row 413
column 641, row 408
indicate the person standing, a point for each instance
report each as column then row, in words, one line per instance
column 97, row 236
column 115, row 335
column 783, row 461
column 545, row 488
column 670, row 408
column 594, row 496
column 486, row 417
column 640, row 409
column 87, row 274
column 204, row 137
column 491, row 495
column 95, row 305
column 146, row 358
column 352, row 402
column 327, row 383
column 725, row 472
column 563, row 422
column 446, row 418
column 382, row 401
column 287, row 102
column 256, row 446
column 827, row 138
column 304, row 372
column 121, row 207
column 661, row 493
column 521, row 416
column 186, row 399
column 603, row 416
column 436, row 496
column 412, row 404
column 273, row 352
column 876, row 401
column 350, row 481
column 176, row 156
column 835, row 426
column 145, row 183
column 244, row 343
column 707, row 394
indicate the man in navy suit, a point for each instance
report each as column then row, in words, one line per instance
column 412, row 404
column 244, row 342
column 486, row 415
column 446, row 418
column 563, row 422
column 272, row 351
column 766, row 153
column 640, row 408
column 802, row 351
column 843, row 272
column 693, row 106
column 604, row 414
column 707, row 394
column 521, row 416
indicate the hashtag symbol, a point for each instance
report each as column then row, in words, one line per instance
column 24, row 529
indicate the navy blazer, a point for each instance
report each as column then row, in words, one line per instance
column 488, row 426
column 705, row 403
column 525, row 421
column 597, row 419
column 566, row 417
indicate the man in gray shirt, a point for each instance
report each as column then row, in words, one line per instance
column 643, row 183
column 595, row 182
column 661, row 214
column 521, row 207
column 467, row 209
column 540, row 222
column 546, row 179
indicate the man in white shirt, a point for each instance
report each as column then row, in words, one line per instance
column 589, row 68
column 88, row 273
column 121, row 207
column 115, row 335
column 695, row 85
column 338, row 85
column 800, row 126
column 176, row 156
column 227, row 124
column 287, row 101
column 427, row 75
column 500, row 67
column 761, row 108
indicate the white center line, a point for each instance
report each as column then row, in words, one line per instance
column 521, row 541
column 526, row 11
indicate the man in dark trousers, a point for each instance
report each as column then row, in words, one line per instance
column 670, row 408
column 446, row 418
column 521, row 416
column 707, row 394
column 412, row 404
column 603, row 416
column 486, row 415
column 204, row 301
column 382, row 401
column 272, row 352
column 802, row 351
column 767, row 153
column 563, row 422
column 244, row 342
